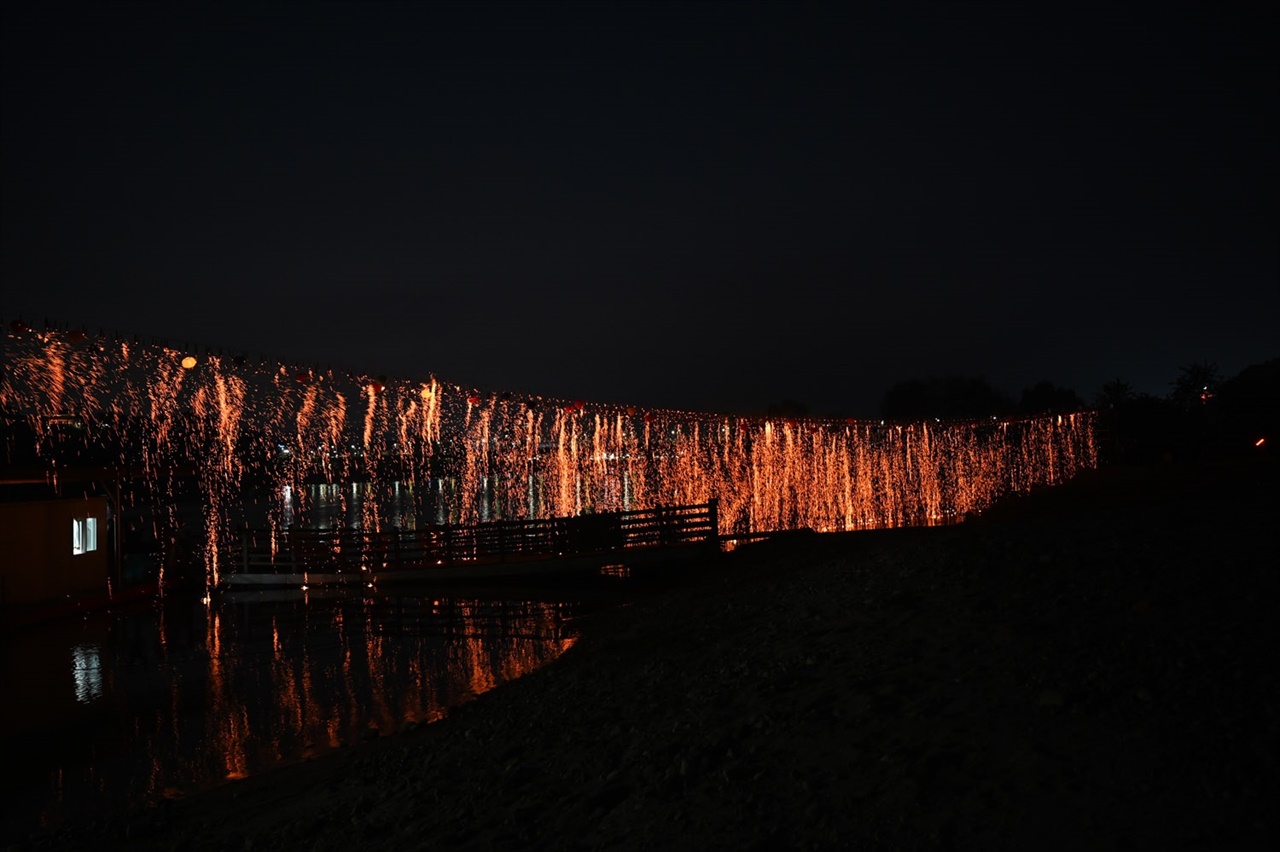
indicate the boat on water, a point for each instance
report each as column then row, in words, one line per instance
column 497, row 550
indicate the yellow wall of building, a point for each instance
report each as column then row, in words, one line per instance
column 36, row 559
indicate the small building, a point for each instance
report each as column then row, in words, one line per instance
column 53, row 548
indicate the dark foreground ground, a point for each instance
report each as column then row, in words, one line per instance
column 1089, row 668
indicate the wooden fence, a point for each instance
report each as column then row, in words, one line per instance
column 296, row 550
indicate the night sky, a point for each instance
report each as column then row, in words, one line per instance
column 700, row 206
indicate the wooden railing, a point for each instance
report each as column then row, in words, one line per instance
column 297, row 550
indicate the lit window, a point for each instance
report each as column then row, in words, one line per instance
column 84, row 535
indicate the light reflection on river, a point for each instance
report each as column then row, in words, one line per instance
column 370, row 505
column 119, row 709
column 401, row 505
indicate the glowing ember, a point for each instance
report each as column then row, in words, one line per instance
column 233, row 425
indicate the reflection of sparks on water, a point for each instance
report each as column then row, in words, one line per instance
column 381, row 665
column 232, row 721
column 498, row 456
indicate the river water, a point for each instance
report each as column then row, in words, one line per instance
column 118, row 709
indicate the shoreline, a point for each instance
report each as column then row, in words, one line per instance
column 1085, row 667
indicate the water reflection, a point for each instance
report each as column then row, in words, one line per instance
column 124, row 708
column 86, row 666
column 397, row 504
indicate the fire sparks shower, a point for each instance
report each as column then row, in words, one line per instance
column 235, row 423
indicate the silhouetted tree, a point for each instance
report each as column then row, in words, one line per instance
column 1045, row 396
column 1193, row 395
column 1249, row 409
column 1113, row 394
column 1202, row 415
column 1197, row 384
column 959, row 397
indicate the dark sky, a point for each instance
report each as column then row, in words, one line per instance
column 679, row 205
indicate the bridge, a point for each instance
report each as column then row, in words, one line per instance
column 239, row 424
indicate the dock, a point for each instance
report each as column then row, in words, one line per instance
column 487, row 551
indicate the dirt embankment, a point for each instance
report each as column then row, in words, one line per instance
column 1089, row 668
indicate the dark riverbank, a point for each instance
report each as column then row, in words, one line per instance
column 1091, row 667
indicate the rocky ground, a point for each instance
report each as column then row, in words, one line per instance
column 1088, row 668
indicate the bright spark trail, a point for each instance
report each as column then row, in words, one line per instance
column 233, row 422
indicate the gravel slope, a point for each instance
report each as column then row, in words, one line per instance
column 1087, row 668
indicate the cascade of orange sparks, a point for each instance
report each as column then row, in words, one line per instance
column 495, row 456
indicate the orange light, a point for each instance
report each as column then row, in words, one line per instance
column 530, row 452
column 1259, row 442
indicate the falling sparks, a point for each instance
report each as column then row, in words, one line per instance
column 232, row 426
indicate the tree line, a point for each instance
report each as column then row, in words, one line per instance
column 1202, row 413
